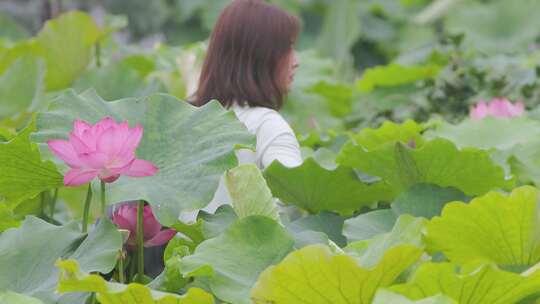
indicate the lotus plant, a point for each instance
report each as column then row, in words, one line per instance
column 105, row 150
column 498, row 107
column 144, row 231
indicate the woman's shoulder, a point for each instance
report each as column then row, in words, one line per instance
column 259, row 119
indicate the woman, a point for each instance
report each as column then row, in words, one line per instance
column 249, row 67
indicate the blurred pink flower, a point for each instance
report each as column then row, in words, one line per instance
column 498, row 107
column 105, row 150
column 125, row 217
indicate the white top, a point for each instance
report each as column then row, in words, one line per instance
column 275, row 138
column 275, row 141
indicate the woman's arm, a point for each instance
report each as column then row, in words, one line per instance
column 285, row 149
column 276, row 141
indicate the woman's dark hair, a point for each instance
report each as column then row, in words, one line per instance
column 246, row 54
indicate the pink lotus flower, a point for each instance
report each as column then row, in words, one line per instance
column 125, row 217
column 105, row 150
column 498, row 107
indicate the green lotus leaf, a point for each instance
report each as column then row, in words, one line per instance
column 315, row 275
column 437, row 162
column 406, row 231
column 10, row 53
column 488, row 133
column 249, row 193
column 426, row 200
column 314, row 188
column 233, row 260
column 524, row 161
column 191, row 146
column 7, row 218
column 66, row 44
column 21, row 86
column 318, row 117
column 24, row 173
column 17, row 298
column 339, row 96
column 367, row 225
column 327, row 223
column 485, row 284
column 395, row 75
column 214, row 224
column 407, row 133
column 387, row 297
column 497, row 228
column 29, row 252
column 72, row 279
column 171, row 279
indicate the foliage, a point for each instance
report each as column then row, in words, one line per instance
column 400, row 199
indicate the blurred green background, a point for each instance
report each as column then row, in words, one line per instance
column 362, row 61
column 358, row 32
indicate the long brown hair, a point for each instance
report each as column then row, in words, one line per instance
column 246, row 56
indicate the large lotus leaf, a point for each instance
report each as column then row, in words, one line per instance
column 437, row 162
column 499, row 133
column 191, row 146
column 234, row 259
column 28, row 254
column 387, row 297
column 426, row 200
column 117, row 80
column 21, row 86
column 407, row 133
column 483, row 29
column 395, row 75
column 481, row 285
column 314, row 188
column 10, row 297
column 72, row 279
column 367, row 225
column 315, row 275
column 406, row 231
column 23, row 174
column 66, row 43
column 328, row 223
column 249, row 193
column 499, row 228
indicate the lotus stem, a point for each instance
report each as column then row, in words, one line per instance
column 103, row 200
column 121, row 278
column 53, row 202
column 98, row 54
column 87, row 208
column 140, row 242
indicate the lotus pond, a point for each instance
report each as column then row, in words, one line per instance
column 419, row 182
